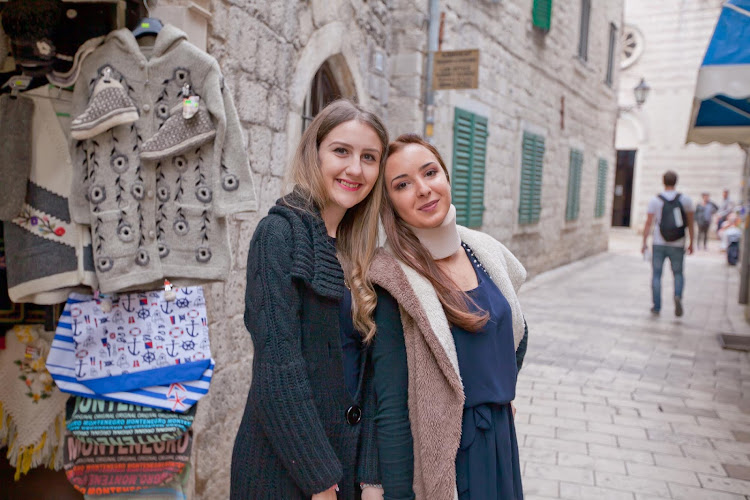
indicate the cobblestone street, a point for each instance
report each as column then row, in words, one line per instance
column 614, row 404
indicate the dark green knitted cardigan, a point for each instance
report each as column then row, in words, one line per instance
column 294, row 439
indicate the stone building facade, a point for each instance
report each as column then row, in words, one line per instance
column 669, row 40
column 530, row 80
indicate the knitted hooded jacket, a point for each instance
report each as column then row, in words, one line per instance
column 435, row 391
column 158, row 218
column 294, row 439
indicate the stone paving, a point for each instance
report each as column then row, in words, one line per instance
column 615, row 404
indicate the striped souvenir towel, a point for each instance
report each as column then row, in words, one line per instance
column 61, row 363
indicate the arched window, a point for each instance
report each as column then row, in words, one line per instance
column 323, row 90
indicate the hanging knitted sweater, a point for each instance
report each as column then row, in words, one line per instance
column 48, row 255
column 157, row 218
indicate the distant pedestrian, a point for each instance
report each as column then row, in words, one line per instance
column 671, row 214
column 704, row 213
column 725, row 208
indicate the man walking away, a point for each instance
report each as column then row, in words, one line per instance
column 725, row 208
column 671, row 214
column 704, row 214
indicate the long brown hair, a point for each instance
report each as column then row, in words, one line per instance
column 357, row 233
column 407, row 248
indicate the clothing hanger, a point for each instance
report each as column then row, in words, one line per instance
column 148, row 25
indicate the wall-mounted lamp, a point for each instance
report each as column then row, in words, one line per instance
column 640, row 92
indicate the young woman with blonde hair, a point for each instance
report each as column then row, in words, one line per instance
column 449, row 341
column 308, row 430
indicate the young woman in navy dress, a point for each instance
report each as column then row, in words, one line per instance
column 448, row 341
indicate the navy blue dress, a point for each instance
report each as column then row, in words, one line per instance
column 487, row 465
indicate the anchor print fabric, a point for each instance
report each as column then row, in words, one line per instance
column 143, row 339
column 163, row 390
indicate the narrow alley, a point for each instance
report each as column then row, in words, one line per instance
column 616, row 404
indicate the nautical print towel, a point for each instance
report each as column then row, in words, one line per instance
column 62, row 364
column 142, row 341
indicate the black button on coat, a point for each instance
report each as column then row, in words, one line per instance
column 295, row 438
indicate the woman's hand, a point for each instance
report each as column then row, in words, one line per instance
column 329, row 494
column 372, row 493
column 513, row 408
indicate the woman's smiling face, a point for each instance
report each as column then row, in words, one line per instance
column 417, row 186
column 349, row 159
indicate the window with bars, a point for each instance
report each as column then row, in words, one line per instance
column 469, row 159
column 532, row 162
column 541, row 14
column 601, row 188
column 611, row 54
column 574, row 185
column 583, row 40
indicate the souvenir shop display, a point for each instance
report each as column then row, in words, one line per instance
column 156, row 192
column 122, row 160
column 48, row 255
column 105, row 422
column 101, row 469
column 172, row 349
column 32, row 408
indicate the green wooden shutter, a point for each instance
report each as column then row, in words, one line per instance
column 469, row 157
column 601, row 184
column 541, row 14
column 532, row 162
column 574, row 185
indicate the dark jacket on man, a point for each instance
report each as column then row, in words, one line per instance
column 300, row 433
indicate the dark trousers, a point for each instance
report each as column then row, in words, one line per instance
column 703, row 234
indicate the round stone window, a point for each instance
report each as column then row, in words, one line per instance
column 632, row 46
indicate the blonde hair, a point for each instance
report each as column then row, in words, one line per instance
column 407, row 248
column 357, row 233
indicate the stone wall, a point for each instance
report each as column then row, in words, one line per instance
column 675, row 37
column 524, row 76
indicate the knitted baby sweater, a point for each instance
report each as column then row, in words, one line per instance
column 152, row 219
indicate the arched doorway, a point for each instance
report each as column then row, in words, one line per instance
column 332, row 81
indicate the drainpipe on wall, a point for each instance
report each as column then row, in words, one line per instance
column 433, row 32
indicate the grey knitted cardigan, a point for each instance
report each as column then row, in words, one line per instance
column 294, row 439
column 155, row 219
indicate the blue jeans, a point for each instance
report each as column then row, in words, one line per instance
column 676, row 257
